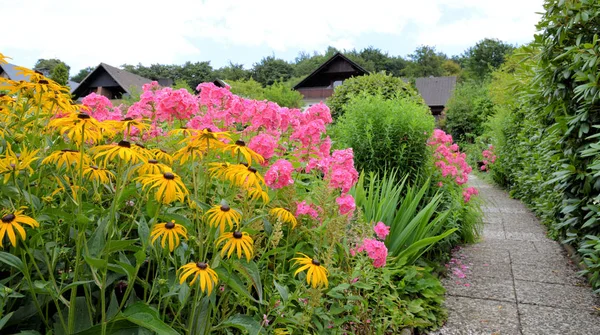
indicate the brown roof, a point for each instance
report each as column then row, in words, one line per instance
column 435, row 90
column 125, row 79
column 359, row 69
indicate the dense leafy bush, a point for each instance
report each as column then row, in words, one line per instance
column 381, row 84
column 386, row 133
column 547, row 122
column 278, row 92
column 467, row 110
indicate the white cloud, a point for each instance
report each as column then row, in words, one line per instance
column 83, row 33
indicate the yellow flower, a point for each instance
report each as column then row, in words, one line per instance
column 218, row 170
column 207, row 139
column 237, row 241
column 316, row 274
column 66, row 158
column 188, row 153
column 126, row 124
column 185, row 131
column 169, row 186
column 239, row 147
column 171, row 231
column 284, row 216
column 258, row 193
column 244, row 176
column 3, row 59
column 208, row 277
column 220, row 215
column 14, row 162
column 152, row 166
column 122, row 150
column 163, row 156
column 95, row 173
column 12, row 222
column 79, row 127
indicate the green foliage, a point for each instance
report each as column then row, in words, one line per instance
column 283, row 95
column 486, row 56
column 548, row 125
column 467, row 111
column 60, row 74
column 232, row 72
column 425, row 62
column 250, row 89
column 380, row 83
column 590, row 250
column 270, row 70
column 78, row 78
column 386, row 133
column 192, row 73
column 46, row 66
column 180, row 83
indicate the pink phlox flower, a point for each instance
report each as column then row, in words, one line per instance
column 346, row 204
column 381, row 230
column 302, row 208
column 376, row 250
column 264, row 144
column 279, row 174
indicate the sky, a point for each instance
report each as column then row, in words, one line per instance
column 84, row 33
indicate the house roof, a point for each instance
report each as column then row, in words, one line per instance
column 323, row 66
column 220, row 83
column 124, row 78
column 11, row 71
column 435, row 90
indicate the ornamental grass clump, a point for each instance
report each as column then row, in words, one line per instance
column 181, row 213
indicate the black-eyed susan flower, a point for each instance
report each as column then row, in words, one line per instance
column 284, row 216
column 152, row 166
column 170, row 231
column 94, row 173
column 316, row 274
column 240, row 148
column 221, row 215
column 79, row 127
column 206, row 139
column 207, row 277
column 66, row 158
column 162, row 156
column 13, row 222
column 188, row 153
column 185, row 131
column 240, row 242
column 127, row 123
column 122, row 150
column 244, row 176
column 15, row 162
column 168, row 185
column 258, row 193
column 218, row 170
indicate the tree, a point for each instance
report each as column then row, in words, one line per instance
column 270, row 69
column 82, row 74
column 46, row 66
column 60, row 74
column 283, row 95
column 232, row 72
column 425, row 62
column 451, row 68
column 486, row 56
column 250, row 89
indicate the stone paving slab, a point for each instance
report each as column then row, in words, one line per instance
column 516, row 280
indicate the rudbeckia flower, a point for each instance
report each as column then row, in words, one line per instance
column 239, row 147
column 239, row 242
column 218, row 170
column 220, row 215
column 121, row 150
column 161, row 155
column 66, row 158
column 79, row 127
column 188, row 153
column 284, row 216
column 12, row 222
column 169, row 186
column 97, row 174
column 208, row 277
column 206, row 139
column 170, row 231
column 258, row 193
column 152, row 166
column 14, row 162
column 316, row 274
column 244, row 176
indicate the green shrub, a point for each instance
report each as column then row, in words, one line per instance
column 283, row 95
column 467, row 110
column 250, row 89
column 382, row 84
column 386, row 133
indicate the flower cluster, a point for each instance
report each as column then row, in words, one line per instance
column 488, row 158
column 376, row 250
column 448, row 158
column 469, row 192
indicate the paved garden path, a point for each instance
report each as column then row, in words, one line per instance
column 516, row 280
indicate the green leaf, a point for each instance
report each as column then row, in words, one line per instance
column 234, row 282
column 242, row 322
column 250, row 270
column 283, row 291
column 11, row 260
column 5, row 319
column 147, row 317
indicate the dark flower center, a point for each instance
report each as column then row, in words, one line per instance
column 128, row 119
column 8, row 218
column 316, row 262
column 140, row 145
column 83, row 116
column 169, row 176
column 68, row 150
column 244, row 164
column 251, row 169
column 237, row 234
column 152, row 161
column 38, row 72
column 43, row 82
column 124, row 144
column 208, row 130
column 225, row 208
column 94, row 167
column 240, row 143
column 170, row 225
column 201, row 265
column 183, row 127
